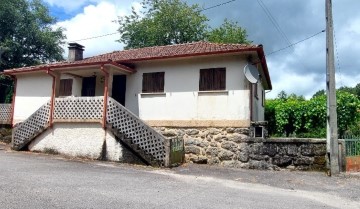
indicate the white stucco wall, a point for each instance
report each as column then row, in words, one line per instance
column 78, row 140
column 182, row 100
column 32, row 91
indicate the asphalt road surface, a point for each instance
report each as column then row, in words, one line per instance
column 29, row 180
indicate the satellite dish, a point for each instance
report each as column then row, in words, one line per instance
column 251, row 73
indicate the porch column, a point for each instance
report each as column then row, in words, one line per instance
column 106, row 94
column 54, row 92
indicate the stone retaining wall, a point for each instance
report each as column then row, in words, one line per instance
column 233, row 147
column 5, row 134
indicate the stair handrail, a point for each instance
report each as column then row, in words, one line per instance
column 127, row 123
column 27, row 130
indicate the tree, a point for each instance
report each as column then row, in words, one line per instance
column 228, row 32
column 27, row 37
column 163, row 22
column 319, row 93
column 166, row 22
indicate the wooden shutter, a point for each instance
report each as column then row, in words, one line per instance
column 65, row 87
column 153, row 82
column 212, row 79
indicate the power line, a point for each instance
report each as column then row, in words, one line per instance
column 291, row 45
column 109, row 34
column 216, row 6
column 273, row 21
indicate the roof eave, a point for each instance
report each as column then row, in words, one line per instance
column 72, row 66
column 262, row 58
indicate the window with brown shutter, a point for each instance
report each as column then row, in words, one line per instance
column 153, row 82
column 212, row 79
column 65, row 87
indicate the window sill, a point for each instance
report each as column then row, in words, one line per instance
column 154, row 94
column 219, row 92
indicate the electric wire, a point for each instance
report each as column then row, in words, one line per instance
column 274, row 21
column 293, row 44
column 109, row 34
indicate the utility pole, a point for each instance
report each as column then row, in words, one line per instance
column 332, row 145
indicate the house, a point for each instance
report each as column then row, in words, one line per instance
column 145, row 100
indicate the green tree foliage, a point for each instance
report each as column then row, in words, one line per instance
column 228, row 32
column 166, row 22
column 293, row 115
column 27, row 37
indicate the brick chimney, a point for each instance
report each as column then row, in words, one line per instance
column 75, row 52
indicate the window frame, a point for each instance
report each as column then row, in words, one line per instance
column 212, row 79
column 255, row 90
column 65, row 87
column 153, row 82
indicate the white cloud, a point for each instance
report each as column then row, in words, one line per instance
column 68, row 5
column 96, row 20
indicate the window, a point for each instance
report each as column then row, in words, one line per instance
column 153, row 82
column 263, row 98
column 65, row 87
column 212, row 79
column 255, row 90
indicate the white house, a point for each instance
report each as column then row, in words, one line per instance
column 75, row 106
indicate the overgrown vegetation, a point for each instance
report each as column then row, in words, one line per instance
column 27, row 37
column 295, row 116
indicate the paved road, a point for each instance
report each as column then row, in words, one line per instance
column 29, row 180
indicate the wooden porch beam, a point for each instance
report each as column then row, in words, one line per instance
column 53, row 91
column 106, row 93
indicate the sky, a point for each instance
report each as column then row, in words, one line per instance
column 275, row 24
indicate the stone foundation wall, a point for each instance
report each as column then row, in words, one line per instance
column 233, row 147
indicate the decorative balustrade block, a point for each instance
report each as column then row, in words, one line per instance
column 79, row 108
column 5, row 113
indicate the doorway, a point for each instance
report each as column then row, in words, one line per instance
column 119, row 88
column 88, row 86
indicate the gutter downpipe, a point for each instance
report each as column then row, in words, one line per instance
column 52, row 100
column 106, row 93
column 13, row 101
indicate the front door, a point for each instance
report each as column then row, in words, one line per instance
column 119, row 88
column 88, row 86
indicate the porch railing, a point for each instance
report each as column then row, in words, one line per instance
column 78, row 109
column 139, row 136
column 5, row 113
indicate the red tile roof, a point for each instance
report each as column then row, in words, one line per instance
column 156, row 52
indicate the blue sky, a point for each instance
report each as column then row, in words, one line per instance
column 299, row 69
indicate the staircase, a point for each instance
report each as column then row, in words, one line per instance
column 142, row 138
column 29, row 129
column 150, row 145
